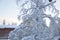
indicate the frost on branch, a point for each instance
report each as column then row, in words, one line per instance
column 33, row 27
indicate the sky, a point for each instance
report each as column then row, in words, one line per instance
column 9, row 10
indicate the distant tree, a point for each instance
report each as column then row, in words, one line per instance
column 4, row 22
column 14, row 23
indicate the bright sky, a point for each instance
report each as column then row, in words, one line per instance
column 9, row 10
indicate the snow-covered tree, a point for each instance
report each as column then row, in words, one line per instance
column 33, row 27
